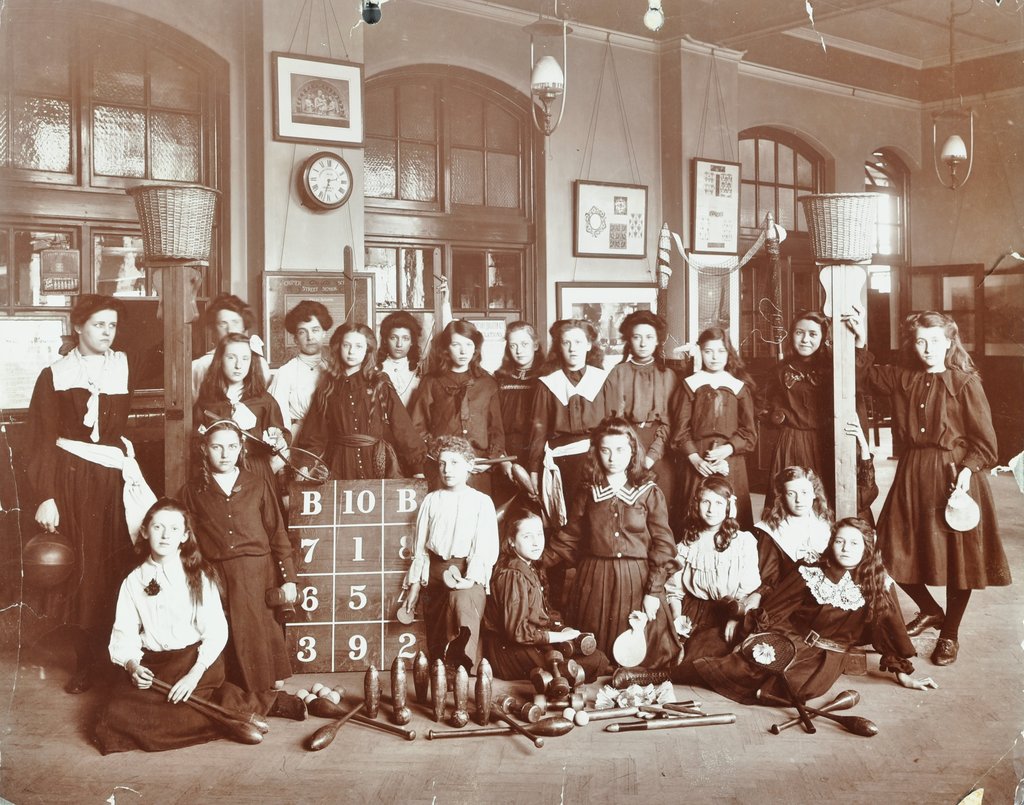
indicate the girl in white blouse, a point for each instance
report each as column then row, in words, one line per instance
column 717, row 577
column 170, row 626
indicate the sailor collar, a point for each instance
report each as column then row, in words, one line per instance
column 717, row 380
column 627, row 494
column 588, row 387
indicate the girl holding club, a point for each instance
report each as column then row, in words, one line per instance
column 941, row 408
column 170, row 626
column 356, row 420
column 617, row 536
column 240, row 531
column 714, row 422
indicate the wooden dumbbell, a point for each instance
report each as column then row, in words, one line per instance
column 573, row 700
column 558, row 687
column 574, row 673
column 582, row 646
column 421, row 677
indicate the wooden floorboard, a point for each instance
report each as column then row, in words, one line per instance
column 932, row 747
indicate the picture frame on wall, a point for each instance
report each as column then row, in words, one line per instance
column 347, row 297
column 609, row 219
column 317, row 100
column 605, row 305
column 29, row 344
column 715, row 225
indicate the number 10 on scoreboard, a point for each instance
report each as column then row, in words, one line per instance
column 354, row 542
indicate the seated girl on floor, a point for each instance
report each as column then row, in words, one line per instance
column 519, row 625
column 170, row 626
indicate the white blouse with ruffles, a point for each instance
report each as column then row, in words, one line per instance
column 713, row 575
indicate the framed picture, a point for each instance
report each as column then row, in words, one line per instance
column 716, row 207
column 346, row 297
column 609, row 220
column 317, row 100
column 605, row 305
column 29, row 344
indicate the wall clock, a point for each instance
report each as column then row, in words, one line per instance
column 326, row 181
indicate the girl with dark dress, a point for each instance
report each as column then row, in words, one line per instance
column 843, row 600
column 617, row 536
column 461, row 399
column 356, row 421
column 519, row 625
column 517, row 387
column 714, row 427
column 642, row 390
column 798, row 401
column 235, row 389
column 77, row 418
column 170, row 625
column 240, row 531
column 940, row 407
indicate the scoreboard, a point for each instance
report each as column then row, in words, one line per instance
column 354, row 542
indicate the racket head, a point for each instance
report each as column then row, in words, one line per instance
column 307, row 467
column 772, row 651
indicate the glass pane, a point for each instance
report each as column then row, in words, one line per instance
column 888, row 209
column 503, row 180
column 888, row 239
column 119, row 71
column 786, row 175
column 379, row 168
column 804, row 173
column 766, row 160
column 924, row 292
column 466, row 119
column 787, row 203
column 118, row 141
column 967, row 323
column 382, row 263
column 5, row 274
column 41, row 134
column 467, row 176
column 747, row 159
column 468, row 280
column 1004, row 314
column 174, row 147
column 415, row 276
column 801, row 218
column 172, row 84
column 880, row 279
column 765, row 204
column 30, row 289
column 40, row 58
column 502, row 130
column 116, row 266
column 417, row 112
column 380, row 112
column 748, row 212
column 418, row 172
column 957, row 294
column 504, row 281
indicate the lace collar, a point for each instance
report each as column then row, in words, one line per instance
column 627, row 494
column 844, row 594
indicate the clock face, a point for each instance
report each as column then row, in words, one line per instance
column 327, row 180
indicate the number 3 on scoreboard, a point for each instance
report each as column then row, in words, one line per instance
column 307, row 649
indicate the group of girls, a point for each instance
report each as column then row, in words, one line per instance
column 592, row 448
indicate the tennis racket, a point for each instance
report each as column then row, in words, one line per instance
column 304, row 465
column 774, row 652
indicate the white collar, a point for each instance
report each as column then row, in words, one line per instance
column 588, row 387
column 626, row 493
column 844, row 594
column 716, row 380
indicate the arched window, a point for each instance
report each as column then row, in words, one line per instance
column 449, row 174
column 777, row 169
column 887, row 175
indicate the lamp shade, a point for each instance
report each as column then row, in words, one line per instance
column 547, row 77
column 954, row 149
column 655, row 17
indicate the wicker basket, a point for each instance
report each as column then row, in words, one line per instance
column 842, row 226
column 177, row 221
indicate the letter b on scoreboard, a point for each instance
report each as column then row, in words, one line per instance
column 354, row 542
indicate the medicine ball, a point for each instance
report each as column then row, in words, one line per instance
column 47, row 560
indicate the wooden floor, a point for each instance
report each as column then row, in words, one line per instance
column 933, row 747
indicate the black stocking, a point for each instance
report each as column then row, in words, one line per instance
column 956, row 605
column 924, row 600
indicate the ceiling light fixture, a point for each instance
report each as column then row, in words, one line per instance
column 655, row 17
column 954, row 152
column 547, row 76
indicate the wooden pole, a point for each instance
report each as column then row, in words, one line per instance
column 176, row 307
column 844, row 284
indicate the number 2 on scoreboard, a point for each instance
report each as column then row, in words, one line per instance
column 406, row 641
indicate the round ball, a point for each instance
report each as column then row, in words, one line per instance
column 568, row 714
column 310, row 697
column 47, row 560
column 302, row 693
column 317, row 687
column 339, row 690
column 582, row 718
column 334, row 696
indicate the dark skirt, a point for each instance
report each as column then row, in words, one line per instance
column 917, row 545
column 144, row 719
column 667, row 650
column 690, row 479
column 604, row 593
column 513, row 661
column 256, row 656
column 446, row 612
column 800, row 448
column 89, row 499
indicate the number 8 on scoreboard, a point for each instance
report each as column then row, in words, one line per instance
column 354, row 541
